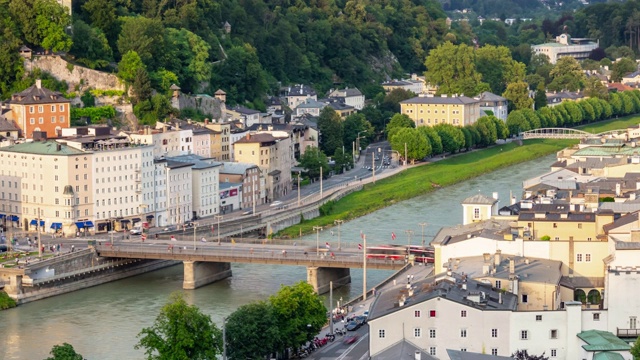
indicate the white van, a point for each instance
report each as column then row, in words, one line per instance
column 136, row 230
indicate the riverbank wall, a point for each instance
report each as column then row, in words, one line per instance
column 71, row 272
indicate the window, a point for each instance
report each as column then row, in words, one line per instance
column 432, row 313
column 463, row 313
column 61, row 107
column 524, row 335
column 40, row 108
column 498, row 284
column 553, row 334
column 40, row 120
column 432, row 333
column 61, row 119
column 554, row 352
column 579, row 257
column 476, row 213
column 381, row 333
column 555, row 225
column 416, row 313
column 494, row 351
column 463, row 350
column 432, row 350
column 463, row 333
column 538, row 317
column 32, row 121
column 31, row 109
column 494, row 333
column 587, row 257
column 417, row 333
column 53, row 119
column 525, row 298
column 579, row 226
column 596, row 316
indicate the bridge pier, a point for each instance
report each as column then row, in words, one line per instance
column 198, row 273
column 319, row 278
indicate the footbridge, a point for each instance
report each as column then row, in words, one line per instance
column 205, row 263
column 567, row 133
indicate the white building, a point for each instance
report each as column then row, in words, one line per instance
column 566, row 46
column 297, row 94
column 230, row 197
column 349, row 96
column 498, row 105
column 165, row 142
column 205, row 183
column 174, row 194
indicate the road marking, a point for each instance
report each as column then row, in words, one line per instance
column 341, row 357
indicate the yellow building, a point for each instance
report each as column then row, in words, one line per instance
column 433, row 110
column 220, row 144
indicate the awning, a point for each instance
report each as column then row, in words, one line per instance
column 56, row 226
column 14, row 218
column 34, row 222
column 80, row 224
column 150, row 216
column 124, row 221
column 2, row 216
column 135, row 220
column 88, row 223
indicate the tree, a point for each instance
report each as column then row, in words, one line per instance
column 343, row 160
column 398, row 121
column 300, row 314
column 187, row 56
column 64, row 352
column 595, row 89
column 354, row 124
column 141, row 85
column 145, row 37
column 523, row 355
column 391, row 101
column 90, row 46
column 452, row 68
column 635, row 350
column 252, row 332
column 517, row 123
column 52, row 20
column 417, row 145
column 567, row 75
column 451, row 136
column 434, row 139
column 518, row 95
column 330, row 128
column 129, row 65
column 180, row 332
column 540, row 100
column 498, row 67
column 241, row 73
column 312, row 160
column 621, row 68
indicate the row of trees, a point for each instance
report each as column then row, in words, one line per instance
column 571, row 113
column 443, row 138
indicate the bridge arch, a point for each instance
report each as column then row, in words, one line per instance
column 556, row 133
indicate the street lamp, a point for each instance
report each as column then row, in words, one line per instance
column 409, row 234
column 317, row 229
column 338, row 222
column 423, row 224
column 358, row 141
column 299, row 172
column 195, row 226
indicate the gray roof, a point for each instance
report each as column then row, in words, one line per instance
column 445, row 286
column 454, row 100
column 227, row 185
column 528, row 269
column 491, row 229
column 299, row 90
column 198, row 162
column 479, row 199
column 42, row 148
column 38, row 95
column 559, row 217
column 621, row 208
column 8, row 125
column 245, row 111
column 311, row 104
column 402, row 350
column 488, row 96
column 465, row 355
column 236, row 168
column 576, row 282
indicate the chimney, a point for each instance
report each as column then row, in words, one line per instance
column 497, row 258
column 487, row 257
column 618, row 189
column 206, row 121
column 58, row 147
column 39, row 83
column 500, row 297
column 495, row 195
column 418, row 355
column 248, row 136
column 512, row 267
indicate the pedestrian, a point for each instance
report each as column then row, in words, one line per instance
column 203, row 239
column 58, row 247
column 156, row 236
column 77, row 233
column 284, row 253
column 333, row 257
column 73, row 248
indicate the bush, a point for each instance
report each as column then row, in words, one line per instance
column 6, row 302
column 97, row 93
column 545, row 238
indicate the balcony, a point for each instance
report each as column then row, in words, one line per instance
column 628, row 333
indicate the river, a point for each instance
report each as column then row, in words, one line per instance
column 102, row 322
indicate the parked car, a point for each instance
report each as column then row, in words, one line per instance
column 350, row 339
column 169, row 228
column 366, row 314
column 188, row 224
column 136, row 230
column 361, row 319
column 276, row 204
column 353, row 325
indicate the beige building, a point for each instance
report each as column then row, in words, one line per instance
column 433, row 110
column 564, row 46
column 48, row 181
column 273, row 154
column 248, row 175
column 220, row 145
column 478, row 208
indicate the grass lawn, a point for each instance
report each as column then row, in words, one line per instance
column 423, row 179
column 612, row 124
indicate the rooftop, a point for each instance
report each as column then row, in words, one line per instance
column 453, row 100
column 236, row 168
column 198, row 162
column 488, row 96
column 491, row 229
column 466, row 355
column 527, row 269
column 598, row 340
column 42, row 148
column 479, row 199
column 36, row 94
column 261, row 138
column 402, row 350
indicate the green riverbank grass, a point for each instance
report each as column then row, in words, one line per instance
column 6, row 302
column 423, row 179
column 613, row 124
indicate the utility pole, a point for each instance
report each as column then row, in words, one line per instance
column 224, row 338
column 39, row 240
column 299, row 188
column 218, row 217
column 330, row 309
column 373, row 166
column 338, row 222
column 364, row 267
column 423, row 224
column 253, row 188
column 317, row 229
column 405, row 155
column 320, row 181
column 195, row 226
column 409, row 234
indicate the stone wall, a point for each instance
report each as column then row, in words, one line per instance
column 59, row 69
column 208, row 105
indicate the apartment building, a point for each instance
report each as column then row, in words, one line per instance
column 220, row 144
column 253, row 190
column 272, row 152
column 498, row 105
column 565, row 45
column 349, row 96
column 205, row 175
column 173, row 192
column 166, row 142
column 48, row 185
column 297, row 94
column 433, row 110
column 38, row 109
